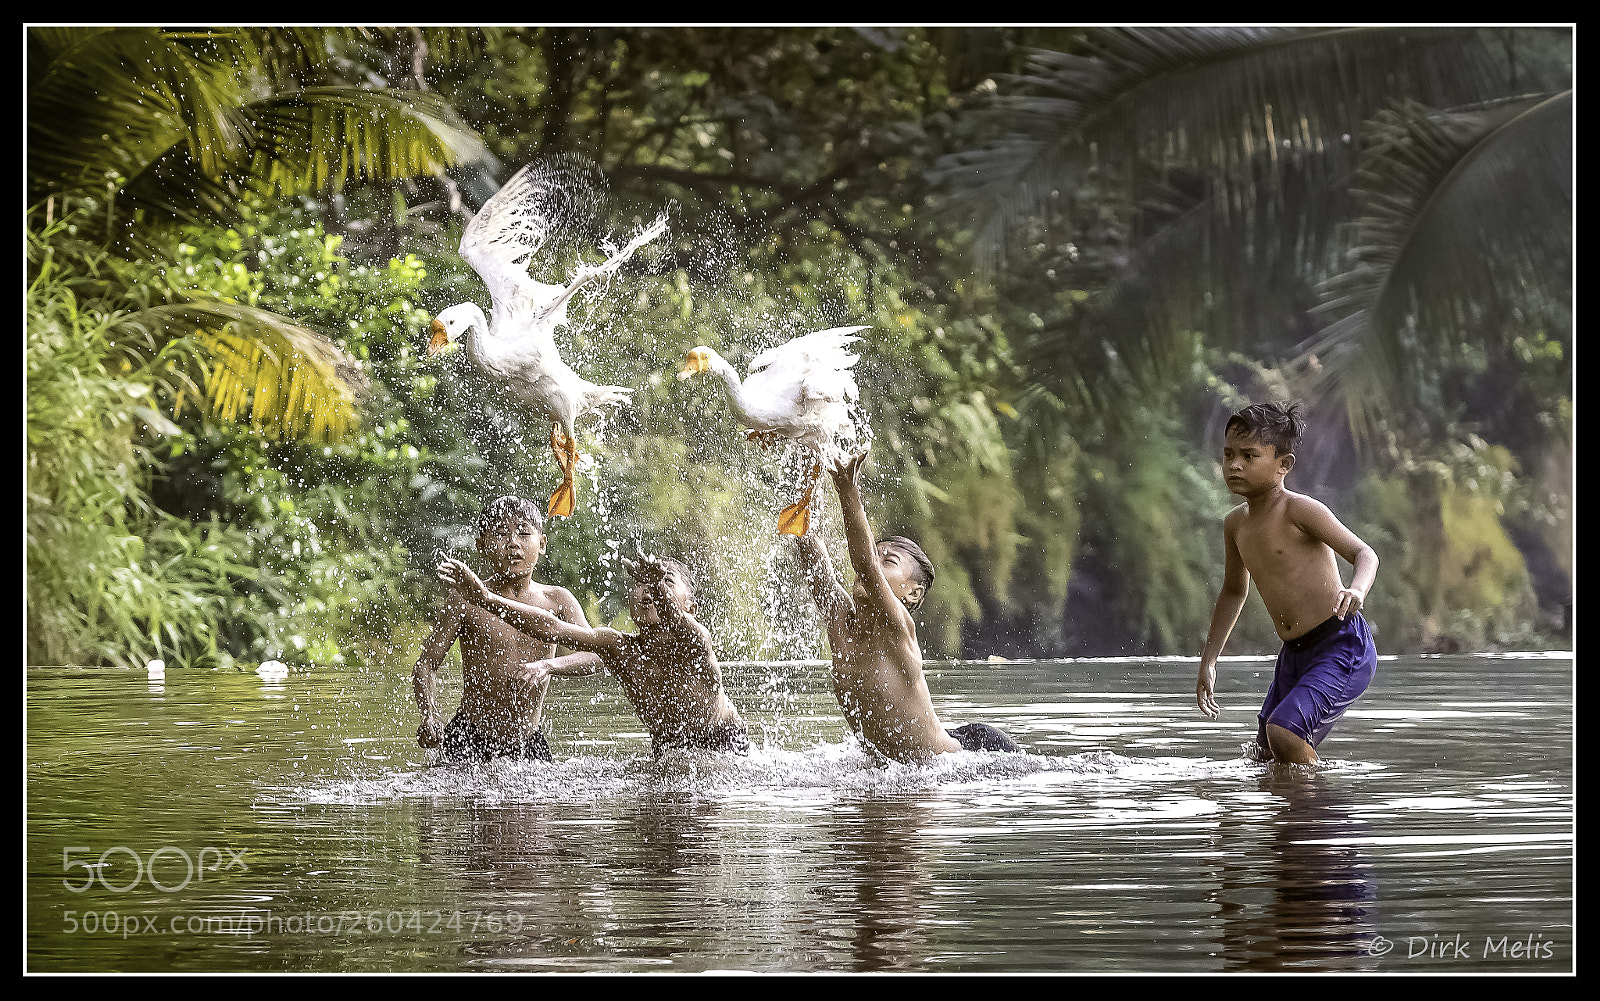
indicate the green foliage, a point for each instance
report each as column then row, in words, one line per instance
column 332, row 525
column 111, row 578
column 1451, row 575
column 176, row 124
column 1051, row 459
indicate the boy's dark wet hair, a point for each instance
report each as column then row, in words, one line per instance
column 501, row 508
column 684, row 573
column 1277, row 424
column 925, row 572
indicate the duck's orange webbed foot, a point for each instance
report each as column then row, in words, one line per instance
column 565, row 498
column 796, row 518
column 766, row 439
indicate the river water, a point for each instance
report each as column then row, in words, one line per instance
column 219, row 822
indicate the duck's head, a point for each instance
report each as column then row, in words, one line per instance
column 696, row 361
column 450, row 324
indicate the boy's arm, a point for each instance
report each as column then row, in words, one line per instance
column 571, row 665
column 1230, row 602
column 533, row 621
column 863, row 547
column 830, row 596
column 447, row 626
column 1313, row 517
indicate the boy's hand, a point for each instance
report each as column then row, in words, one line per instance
column 846, row 474
column 1347, row 602
column 461, row 578
column 534, row 673
column 430, row 734
column 1205, row 690
column 646, row 569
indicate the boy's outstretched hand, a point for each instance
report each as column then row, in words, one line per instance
column 847, row 473
column 533, row 672
column 461, row 578
column 646, row 569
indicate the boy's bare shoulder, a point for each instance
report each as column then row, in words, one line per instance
column 1235, row 517
column 1302, row 506
column 554, row 597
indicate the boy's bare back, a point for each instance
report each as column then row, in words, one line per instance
column 877, row 660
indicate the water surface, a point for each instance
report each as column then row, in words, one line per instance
column 221, row 822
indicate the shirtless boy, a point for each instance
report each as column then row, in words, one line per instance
column 502, row 700
column 877, row 661
column 668, row 668
column 1289, row 544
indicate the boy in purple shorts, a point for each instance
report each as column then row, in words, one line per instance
column 1288, row 544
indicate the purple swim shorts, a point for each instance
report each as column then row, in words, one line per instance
column 1319, row 674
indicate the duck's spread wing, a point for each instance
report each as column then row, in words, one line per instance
column 814, row 366
column 507, row 232
column 822, row 349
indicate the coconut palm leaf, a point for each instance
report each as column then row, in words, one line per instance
column 176, row 125
column 173, row 122
column 322, row 137
column 286, row 379
column 109, row 101
column 1462, row 211
column 1217, row 98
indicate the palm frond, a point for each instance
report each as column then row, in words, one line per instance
column 169, row 120
column 327, row 136
column 1218, row 98
column 1463, row 210
column 110, row 101
column 288, row 380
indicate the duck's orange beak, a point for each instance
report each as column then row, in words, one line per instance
column 694, row 364
column 440, row 339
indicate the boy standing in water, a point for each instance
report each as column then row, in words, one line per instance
column 668, row 668
column 1289, row 544
column 877, row 661
column 502, row 700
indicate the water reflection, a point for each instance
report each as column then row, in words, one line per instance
column 805, row 857
column 516, row 878
column 1312, row 905
column 880, row 879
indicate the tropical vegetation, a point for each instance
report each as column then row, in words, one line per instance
column 1078, row 251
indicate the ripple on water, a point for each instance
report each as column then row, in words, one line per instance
column 830, row 770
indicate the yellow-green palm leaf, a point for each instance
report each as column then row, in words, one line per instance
column 287, row 380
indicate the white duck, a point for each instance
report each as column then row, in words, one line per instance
column 516, row 344
column 801, row 390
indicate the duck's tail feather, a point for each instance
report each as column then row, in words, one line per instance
column 605, row 396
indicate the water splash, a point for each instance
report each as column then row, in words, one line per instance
column 824, row 771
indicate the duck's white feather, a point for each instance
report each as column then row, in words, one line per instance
column 518, row 347
column 804, row 390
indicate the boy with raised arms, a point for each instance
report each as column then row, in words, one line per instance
column 877, row 661
column 1289, row 544
column 502, row 701
column 668, row 668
